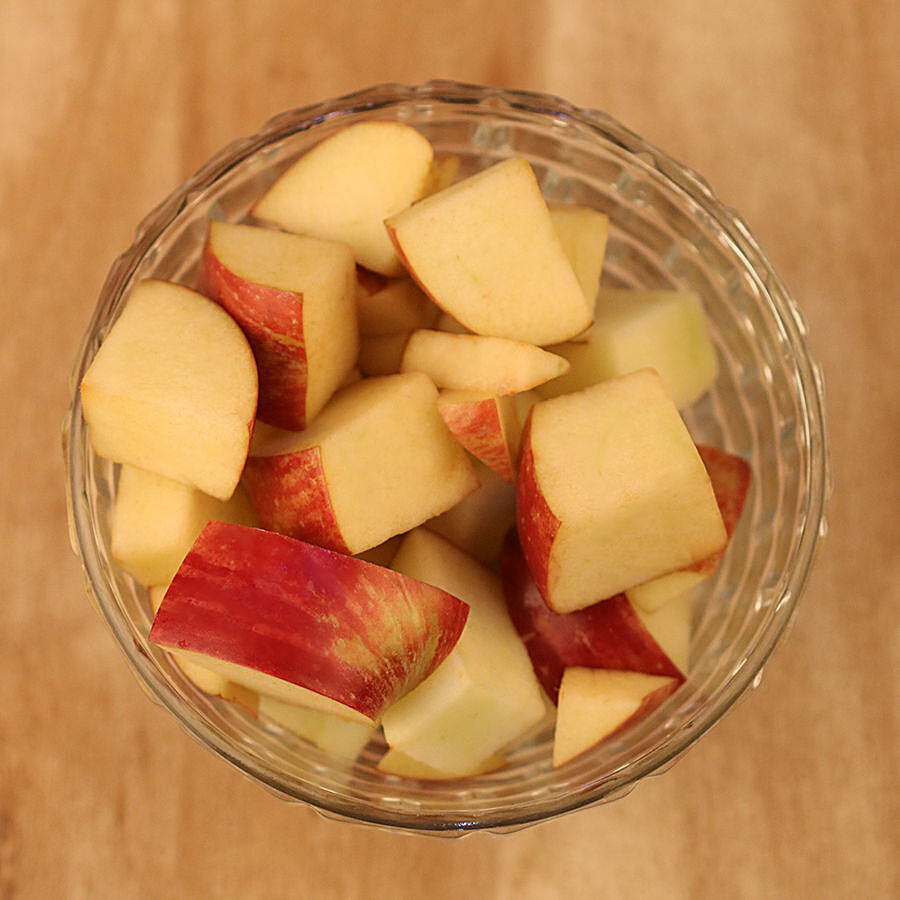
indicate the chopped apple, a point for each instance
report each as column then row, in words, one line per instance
column 447, row 323
column 657, row 592
column 442, row 174
column 326, row 730
column 611, row 492
column 583, row 232
column 486, row 251
column 670, row 626
column 479, row 521
column 396, row 763
column 304, row 625
column 156, row 521
column 487, row 425
column 398, row 308
column 173, row 389
column 484, row 694
column 663, row 330
column 381, row 354
column 377, row 461
column 347, row 185
column 295, row 299
column 472, row 362
column 608, row 635
column 595, row 704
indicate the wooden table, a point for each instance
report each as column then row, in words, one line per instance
column 789, row 108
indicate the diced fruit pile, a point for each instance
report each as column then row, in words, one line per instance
column 397, row 462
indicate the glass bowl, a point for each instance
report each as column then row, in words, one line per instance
column 667, row 230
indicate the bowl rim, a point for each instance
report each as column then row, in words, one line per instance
column 608, row 129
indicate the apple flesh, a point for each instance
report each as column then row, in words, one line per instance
column 400, row 307
column 611, row 492
column 595, row 704
column 295, row 300
column 486, row 251
column 377, row 461
column 156, row 521
column 393, row 762
column 583, row 233
column 608, row 634
column 173, row 389
column 381, row 354
column 305, row 625
column 347, row 185
column 485, row 694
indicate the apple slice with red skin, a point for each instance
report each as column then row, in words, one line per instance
column 606, row 635
column 337, row 628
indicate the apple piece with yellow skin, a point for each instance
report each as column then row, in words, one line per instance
column 485, row 694
column 611, row 492
column 156, row 521
column 486, row 425
column 377, row 461
column 473, row 362
column 344, row 187
column 305, row 625
column 295, row 300
column 486, row 251
column 595, row 704
column 173, row 389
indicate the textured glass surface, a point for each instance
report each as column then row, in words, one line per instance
column 666, row 230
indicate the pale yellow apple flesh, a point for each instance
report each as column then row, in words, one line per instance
column 173, row 389
column 393, row 762
column 346, row 186
column 583, row 232
column 486, row 251
column 656, row 593
column 472, row 362
column 381, row 354
column 398, row 308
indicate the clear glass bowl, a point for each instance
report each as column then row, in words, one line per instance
column 667, row 230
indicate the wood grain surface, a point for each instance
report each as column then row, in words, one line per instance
column 790, row 108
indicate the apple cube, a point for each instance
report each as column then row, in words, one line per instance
column 478, row 523
column 347, row 185
column 398, row 308
column 156, row 521
column 377, row 461
column 484, row 694
column 595, row 704
column 442, row 173
column 663, row 330
column 295, row 299
column 487, row 425
column 304, row 625
column 326, row 730
column 670, row 625
column 611, row 492
column 583, row 232
column 173, row 389
column 473, row 362
column 381, row 354
column 396, row 763
column 657, row 592
column 486, row 251
column 608, row 635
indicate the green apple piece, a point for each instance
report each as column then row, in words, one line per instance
column 662, row 330
column 611, row 492
column 156, row 521
column 583, row 233
column 486, row 251
column 325, row 730
column 484, row 694
column 596, row 703
column 347, row 185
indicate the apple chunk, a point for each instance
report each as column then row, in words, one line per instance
column 472, row 362
column 595, row 704
column 609, row 634
column 377, row 461
column 173, row 389
column 484, row 694
column 305, row 625
column 583, row 233
column 347, row 185
column 295, row 299
column 486, row 251
column 611, row 492
column 400, row 307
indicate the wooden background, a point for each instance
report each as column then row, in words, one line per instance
column 790, row 108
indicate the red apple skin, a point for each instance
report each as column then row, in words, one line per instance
column 730, row 477
column 289, row 494
column 536, row 523
column 272, row 320
column 607, row 635
column 358, row 633
column 476, row 425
